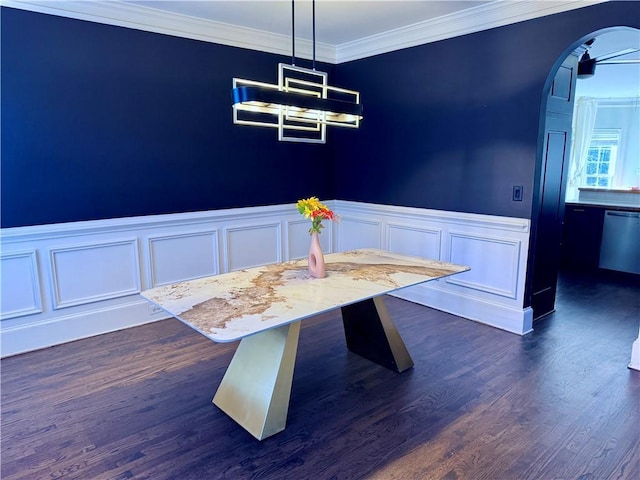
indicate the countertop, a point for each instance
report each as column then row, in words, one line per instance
column 610, row 190
column 606, row 206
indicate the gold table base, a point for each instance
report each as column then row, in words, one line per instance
column 256, row 387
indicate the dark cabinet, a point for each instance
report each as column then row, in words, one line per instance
column 582, row 234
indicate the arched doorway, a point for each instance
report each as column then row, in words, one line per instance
column 552, row 172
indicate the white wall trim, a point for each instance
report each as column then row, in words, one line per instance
column 67, row 281
column 251, row 234
column 31, row 295
column 32, row 322
column 48, row 332
column 492, row 292
column 635, row 354
column 402, row 227
column 93, row 227
column 348, row 221
column 76, row 272
column 91, row 272
column 140, row 17
column 512, row 262
column 411, row 214
column 180, row 242
column 504, row 317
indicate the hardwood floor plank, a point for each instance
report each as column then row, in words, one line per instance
column 480, row 403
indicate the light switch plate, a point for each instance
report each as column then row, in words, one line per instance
column 517, row 193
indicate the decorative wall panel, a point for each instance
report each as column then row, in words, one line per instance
column 411, row 240
column 175, row 258
column 93, row 272
column 251, row 246
column 20, row 285
column 493, row 262
column 354, row 233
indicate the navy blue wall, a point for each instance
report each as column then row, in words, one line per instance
column 454, row 125
column 103, row 122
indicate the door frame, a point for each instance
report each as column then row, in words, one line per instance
column 539, row 185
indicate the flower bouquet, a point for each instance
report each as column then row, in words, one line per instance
column 312, row 208
column 315, row 210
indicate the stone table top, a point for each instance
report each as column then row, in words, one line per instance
column 233, row 305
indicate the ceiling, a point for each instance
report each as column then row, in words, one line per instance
column 617, row 80
column 337, row 22
column 345, row 29
column 348, row 22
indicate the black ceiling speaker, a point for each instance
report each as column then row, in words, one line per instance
column 587, row 65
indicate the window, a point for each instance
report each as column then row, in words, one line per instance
column 601, row 159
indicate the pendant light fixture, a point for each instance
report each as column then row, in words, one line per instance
column 301, row 104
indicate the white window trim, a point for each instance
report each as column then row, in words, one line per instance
column 613, row 135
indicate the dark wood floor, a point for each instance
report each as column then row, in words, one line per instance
column 559, row 403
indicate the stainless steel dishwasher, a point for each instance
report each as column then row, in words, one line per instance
column 620, row 247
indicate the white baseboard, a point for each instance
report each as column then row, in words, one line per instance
column 512, row 320
column 635, row 355
column 75, row 326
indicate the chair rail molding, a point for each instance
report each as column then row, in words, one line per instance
column 63, row 282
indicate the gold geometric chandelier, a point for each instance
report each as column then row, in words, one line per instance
column 301, row 105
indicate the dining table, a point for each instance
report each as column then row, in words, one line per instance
column 263, row 307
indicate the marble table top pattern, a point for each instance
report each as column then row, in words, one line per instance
column 233, row 305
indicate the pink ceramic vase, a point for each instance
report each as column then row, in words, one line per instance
column 316, row 259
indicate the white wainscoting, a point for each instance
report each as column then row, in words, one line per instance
column 92, row 272
column 68, row 281
column 495, row 248
column 635, row 354
column 185, row 256
column 24, row 297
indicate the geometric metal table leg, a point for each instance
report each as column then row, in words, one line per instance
column 371, row 333
column 256, row 388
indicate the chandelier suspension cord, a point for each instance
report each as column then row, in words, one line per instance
column 313, row 16
column 293, row 32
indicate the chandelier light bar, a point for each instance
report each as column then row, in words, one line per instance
column 300, row 105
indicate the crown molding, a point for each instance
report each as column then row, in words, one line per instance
column 121, row 14
column 482, row 17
